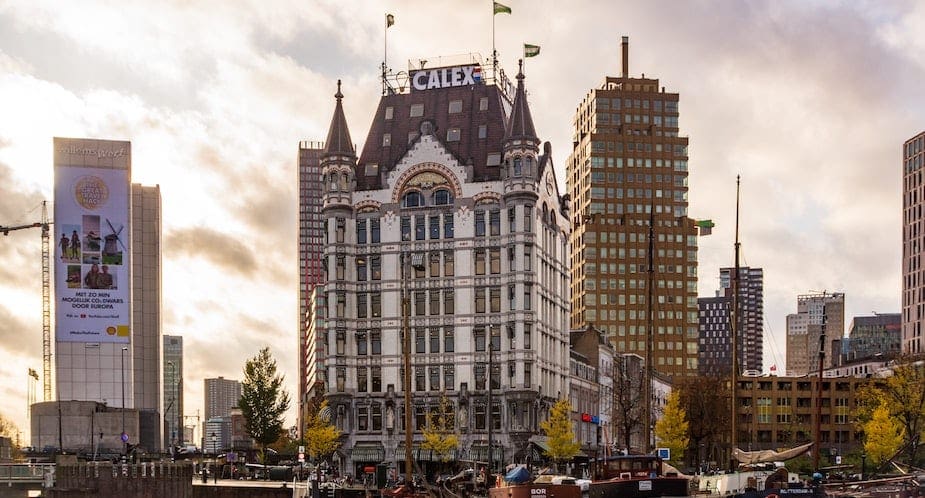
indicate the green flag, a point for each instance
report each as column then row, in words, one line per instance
column 531, row 50
column 389, row 20
column 706, row 226
column 501, row 9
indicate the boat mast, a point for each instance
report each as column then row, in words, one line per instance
column 734, row 332
column 647, row 375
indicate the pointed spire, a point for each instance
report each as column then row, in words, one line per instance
column 339, row 142
column 521, row 123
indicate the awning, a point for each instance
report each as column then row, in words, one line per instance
column 479, row 453
column 367, row 453
column 422, row 455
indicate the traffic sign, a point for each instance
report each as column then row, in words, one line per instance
column 124, row 437
column 301, row 457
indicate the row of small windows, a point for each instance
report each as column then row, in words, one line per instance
column 440, row 197
column 417, row 110
column 617, row 104
column 600, row 146
column 603, row 118
column 422, row 227
column 598, row 163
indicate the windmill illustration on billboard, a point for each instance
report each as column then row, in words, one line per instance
column 111, row 244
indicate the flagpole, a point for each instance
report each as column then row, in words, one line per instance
column 385, row 52
column 494, row 54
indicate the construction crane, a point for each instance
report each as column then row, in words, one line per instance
column 46, row 293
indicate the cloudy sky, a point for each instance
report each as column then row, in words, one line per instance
column 808, row 101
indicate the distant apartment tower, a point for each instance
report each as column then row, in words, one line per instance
column 818, row 316
column 750, row 331
column 173, row 391
column 913, row 312
column 221, row 395
column 629, row 169
column 715, row 355
column 311, row 247
column 146, row 313
column 871, row 336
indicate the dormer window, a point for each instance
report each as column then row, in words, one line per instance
column 443, row 198
column 412, row 199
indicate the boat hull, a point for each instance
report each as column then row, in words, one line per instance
column 639, row 488
column 536, row 491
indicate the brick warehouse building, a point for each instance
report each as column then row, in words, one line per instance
column 453, row 203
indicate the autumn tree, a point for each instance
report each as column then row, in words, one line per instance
column 439, row 431
column 8, row 428
column 903, row 396
column 671, row 429
column 263, row 400
column 628, row 399
column 883, row 435
column 321, row 436
column 558, row 430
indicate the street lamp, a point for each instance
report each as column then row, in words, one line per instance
column 173, row 401
column 124, row 436
column 214, row 452
column 417, row 262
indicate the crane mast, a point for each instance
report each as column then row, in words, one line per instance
column 45, row 225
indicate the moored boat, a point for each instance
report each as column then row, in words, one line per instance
column 636, row 476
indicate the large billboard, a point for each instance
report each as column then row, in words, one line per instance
column 92, row 235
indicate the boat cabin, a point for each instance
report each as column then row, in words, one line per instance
column 629, row 467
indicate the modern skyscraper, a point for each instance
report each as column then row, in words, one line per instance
column 913, row 313
column 146, row 314
column 751, row 314
column 715, row 335
column 869, row 336
column 221, row 395
column 311, row 229
column 454, row 206
column 93, row 201
column 627, row 180
column 819, row 320
column 173, row 390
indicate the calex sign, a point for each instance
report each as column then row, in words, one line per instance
column 446, row 77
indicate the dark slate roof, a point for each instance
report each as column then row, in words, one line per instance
column 339, row 142
column 521, row 125
column 436, row 110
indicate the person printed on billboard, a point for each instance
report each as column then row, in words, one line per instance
column 64, row 243
column 104, row 279
column 75, row 245
column 92, row 278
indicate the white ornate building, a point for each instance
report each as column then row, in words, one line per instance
column 453, row 192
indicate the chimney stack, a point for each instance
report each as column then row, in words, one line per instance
column 626, row 56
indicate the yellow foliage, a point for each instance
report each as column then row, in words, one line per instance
column 439, row 433
column 672, row 428
column 884, row 435
column 558, row 430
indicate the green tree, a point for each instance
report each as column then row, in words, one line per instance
column 903, row 396
column 671, row 429
column 705, row 400
column 321, row 436
column 439, row 432
column 883, row 435
column 558, row 430
column 263, row 400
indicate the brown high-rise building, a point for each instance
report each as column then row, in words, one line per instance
column 818, row 322
column 627, row 171
column 913, row 341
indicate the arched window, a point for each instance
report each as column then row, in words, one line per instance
column 412, row 199
column 332, row 182
column 517, row 167
column 443, row 197
column 528, row 166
